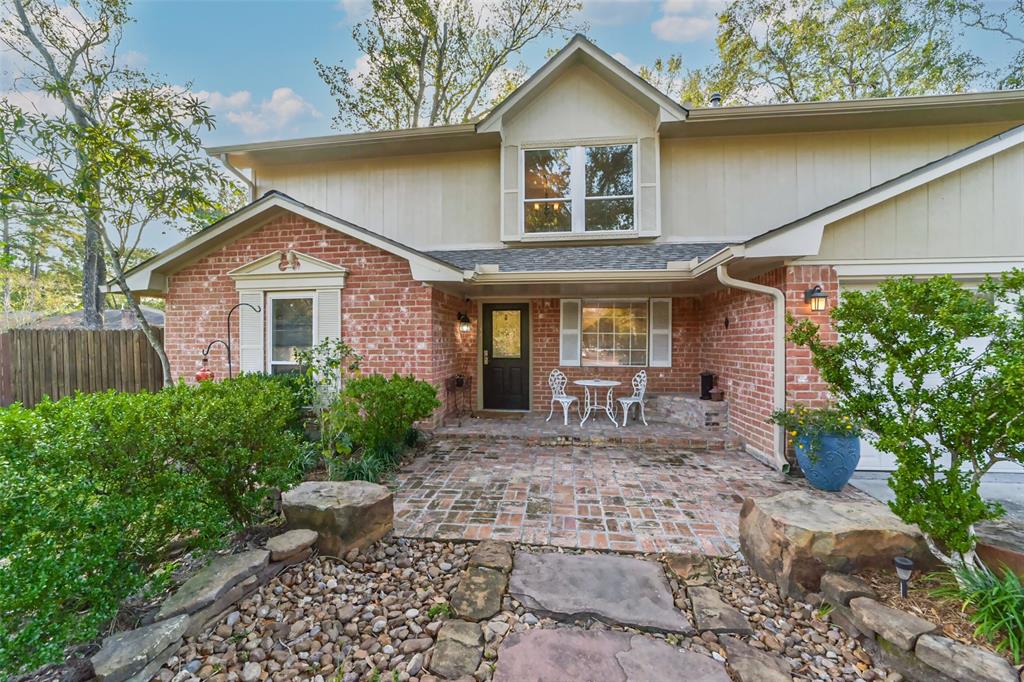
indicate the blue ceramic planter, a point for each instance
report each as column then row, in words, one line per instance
column 834, row 462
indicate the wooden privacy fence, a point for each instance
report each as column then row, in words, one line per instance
column 57, row 362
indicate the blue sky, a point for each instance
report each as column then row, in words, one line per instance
column 254, row 60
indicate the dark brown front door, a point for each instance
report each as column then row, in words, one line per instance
column 506, row 328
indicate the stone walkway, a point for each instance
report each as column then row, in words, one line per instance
column 629, row 499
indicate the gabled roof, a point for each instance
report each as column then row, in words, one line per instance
column 579, row 49
column 802, row 237
column 150, row 276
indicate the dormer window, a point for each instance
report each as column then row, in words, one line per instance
column 579, row 189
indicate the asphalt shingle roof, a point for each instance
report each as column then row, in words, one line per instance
column 612, row 257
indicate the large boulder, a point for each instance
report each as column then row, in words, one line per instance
column 346, row 514
column 794, row 538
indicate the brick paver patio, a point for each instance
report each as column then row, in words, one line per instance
column 624, row 498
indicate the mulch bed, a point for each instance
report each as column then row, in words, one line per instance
column 948, row 614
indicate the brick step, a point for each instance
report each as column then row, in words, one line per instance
column 633, row 435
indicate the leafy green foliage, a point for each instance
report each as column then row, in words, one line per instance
column 96, row 486
column 436, row 62
column 378, row 411
column 910, row 366
column 807, row 50
column 441, row 609
column 993, row 602
column 370, row 423
column 800, row 420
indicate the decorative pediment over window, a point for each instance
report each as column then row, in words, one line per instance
column 285, row 270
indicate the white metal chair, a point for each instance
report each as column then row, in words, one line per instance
column 639, row 388
column 557, row 381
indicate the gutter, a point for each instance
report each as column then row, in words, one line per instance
column 224, row 159
column 779, row 351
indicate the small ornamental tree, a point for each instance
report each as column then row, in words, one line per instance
column 935, row 374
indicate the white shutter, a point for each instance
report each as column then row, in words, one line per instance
column 328, row 314
column 250, row 332
column 569, row 347
column 510, row 203
column 647, row 187
column 661, row 333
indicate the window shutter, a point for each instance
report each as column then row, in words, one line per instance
column 569, row 351
column 328, row 314
column 510, row 204
column 251, row 332
column 661, row 332
column 647, row 186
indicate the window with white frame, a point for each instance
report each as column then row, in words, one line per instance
column 291, row 327
column 616, row 332
column 579, row 189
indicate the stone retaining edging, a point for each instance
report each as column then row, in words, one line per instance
column 907, row 643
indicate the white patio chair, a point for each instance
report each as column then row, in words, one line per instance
column 557, row 381
column 639, row 388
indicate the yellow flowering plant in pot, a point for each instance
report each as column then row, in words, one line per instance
column 826, row 441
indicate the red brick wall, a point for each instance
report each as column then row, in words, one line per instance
column 386, row 315
column 803, row 384
column 454, row 351
column 681, row 377
column 741, row 357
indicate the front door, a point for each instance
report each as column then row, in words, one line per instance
column 506, row 360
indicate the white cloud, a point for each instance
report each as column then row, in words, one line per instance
column 684, row 21
column 626, row 61
column 361, row 68
column 682, row 29
column 34, row 101
column 284, row 107
column 355, row 10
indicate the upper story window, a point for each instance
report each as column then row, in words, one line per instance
column 579, row 189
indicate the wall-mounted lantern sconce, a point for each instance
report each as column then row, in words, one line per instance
column 464, row 323
column 817, row 298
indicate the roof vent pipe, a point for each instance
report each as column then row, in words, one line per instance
column 716, row 99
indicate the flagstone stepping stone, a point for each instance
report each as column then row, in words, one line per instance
column 291, row 543
column 458, row 651
column 346, row 514
column 211, row 582
column 692, row 569
column 492, row 554
column 478, row 596
column 752, row 665
column 715, row 615
column 127, row 653
column 606, row 655
column 615, row 589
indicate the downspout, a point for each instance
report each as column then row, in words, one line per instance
column 240, row 175
column 779, row 350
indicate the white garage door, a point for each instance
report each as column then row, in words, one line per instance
column 872, row 459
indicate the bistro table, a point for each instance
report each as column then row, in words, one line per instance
column 591, row 402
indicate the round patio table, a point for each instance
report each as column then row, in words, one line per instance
column 590, row 400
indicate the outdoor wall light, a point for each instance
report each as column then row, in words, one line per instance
column 816, row 297
column 904, row 569
column 464, row 323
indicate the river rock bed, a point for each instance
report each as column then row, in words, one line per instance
column 368, row 616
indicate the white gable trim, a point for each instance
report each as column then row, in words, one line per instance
column 803, row 237
column 668, row 109
column 288, row 271
column 151, row 275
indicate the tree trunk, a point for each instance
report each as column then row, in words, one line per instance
column 7, row 264
column 133, row 303
column 93, row 272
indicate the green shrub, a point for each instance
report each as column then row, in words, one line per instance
column 994, row 604
column 95, row 487
column 377, row 411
